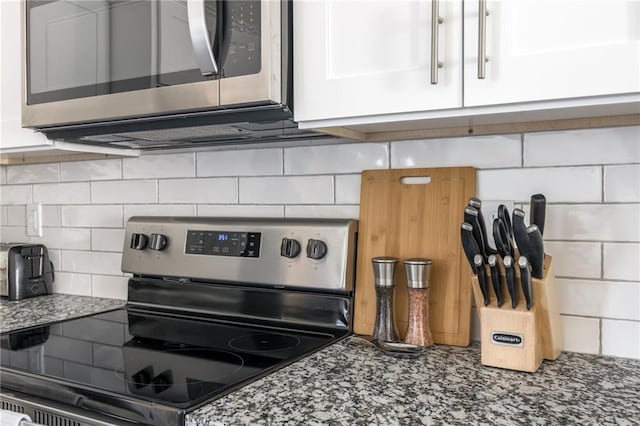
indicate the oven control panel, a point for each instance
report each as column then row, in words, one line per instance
column 223, row 243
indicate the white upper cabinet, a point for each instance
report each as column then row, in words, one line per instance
column 355, row 58
column 361, row 63
column 552, row 49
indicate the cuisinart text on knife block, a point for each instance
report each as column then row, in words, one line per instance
column 519, row 339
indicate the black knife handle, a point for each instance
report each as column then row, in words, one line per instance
column 520, row 232
column 495, row 278
column 471, row 217
column 538, row 211
column 469, row 244
column 502, row 238
column 477, row 204
column 503, row 215
column 511, row 280
column 525, row 280
column 536, row 253
column 482, row 277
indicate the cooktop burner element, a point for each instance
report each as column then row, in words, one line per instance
column 214, row 306
column 263, row 342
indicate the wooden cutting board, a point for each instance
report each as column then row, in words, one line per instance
column 403, row 217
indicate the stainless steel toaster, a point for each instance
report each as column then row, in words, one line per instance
column 25, row 270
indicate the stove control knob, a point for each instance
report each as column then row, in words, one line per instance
column 289, row 248
column 316, row 249
column 158, row 242
column 139, row 241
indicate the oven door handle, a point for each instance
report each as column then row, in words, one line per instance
column 196, row 16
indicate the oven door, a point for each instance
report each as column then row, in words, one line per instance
column 98, row 60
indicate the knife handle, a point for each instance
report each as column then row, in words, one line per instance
column 538, row 211
column 525, row 280
column 536, row 252
column 520, row 232
column 495, row 279
column 469, row 244
column 471, row 217
column 503, row 215
column 511, row 280
column 477, row 204
column 482, row 277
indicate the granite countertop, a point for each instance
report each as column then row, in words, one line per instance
column 53, row 307
column 350, row 383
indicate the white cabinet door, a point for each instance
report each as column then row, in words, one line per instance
column 552, row 49
column 355, row 58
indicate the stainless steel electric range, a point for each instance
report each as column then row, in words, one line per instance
column 213, row 304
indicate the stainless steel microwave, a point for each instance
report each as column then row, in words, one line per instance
column 158, row 73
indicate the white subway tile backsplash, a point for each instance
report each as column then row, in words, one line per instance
column 481, row 151
column 55, row 256
column 125, row 192
column 92, row 216
column 16, row 215
column 209, row 190
column 3, row 175
column 622, row 261
column 287, row 190
column 68, row 283
column 607, row 299
column 621, row 338
column 596, row 222
column 622, row 183
column 91, row 170
column 575, row 259
column 109, row 287
column 3, row 215
column 33, row 173
column 15, row 194
column 580, row 334
column 50, row 215
column 329, row 159
column 332, row 211
column 107, row 240
column 158, row 210
column 91, row 262
column 14, row 234
column 250, row 162
column 62, row 193
column 240, row 210
column 348, row 189
column 66, row 238
column 616, row 145
column 559, row 184
column 159, row 166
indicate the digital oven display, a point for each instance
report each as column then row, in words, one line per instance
column 223, row 243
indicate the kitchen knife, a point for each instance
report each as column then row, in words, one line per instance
column 525, row 280
column 520, row 232
column 478, row 260
column 511, row 280
column 469, row 245
column 477, row 204
column 536, row 251
column 502, row 238
column 471, row 217
column 503, row 215
column 538, row 211
column 495, row 278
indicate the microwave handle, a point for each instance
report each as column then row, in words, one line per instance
column 200, row 41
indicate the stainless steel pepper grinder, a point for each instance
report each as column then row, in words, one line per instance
column 385, row 327
column 418, row 272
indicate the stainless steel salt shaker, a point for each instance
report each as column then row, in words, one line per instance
column 418, row 273
column 385, row 327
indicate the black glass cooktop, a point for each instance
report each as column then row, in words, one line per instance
column 174, row 360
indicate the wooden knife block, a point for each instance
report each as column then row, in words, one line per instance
column 539, row 329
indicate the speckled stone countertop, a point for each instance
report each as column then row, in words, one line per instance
column 353, row 384
column 53, row 307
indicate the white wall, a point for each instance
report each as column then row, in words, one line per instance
column 591, row 179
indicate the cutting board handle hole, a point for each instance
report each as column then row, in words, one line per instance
column 415, row 180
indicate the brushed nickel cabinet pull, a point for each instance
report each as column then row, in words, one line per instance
column 482, row 38
column 436, row 20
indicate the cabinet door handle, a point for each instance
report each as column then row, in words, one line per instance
column 482, row 38
column 196, row 17
column 436, row 20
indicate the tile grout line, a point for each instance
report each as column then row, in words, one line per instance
column 522, row 150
